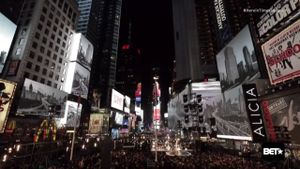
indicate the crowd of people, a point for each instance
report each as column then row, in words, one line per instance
column 115, row 156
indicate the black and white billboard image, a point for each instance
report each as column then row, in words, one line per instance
column 36, row 99
column 73, row 112
column 7, row 32
column 237, row 61
column 231, row 123
column 77, row 80
column 82, row 51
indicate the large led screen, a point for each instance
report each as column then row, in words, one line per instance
column 282, row 54
column 98, row 123
column 72, row 114
column 36, row 99
column 7, row 32
column 82, row 51
column 117, row 100
column 237, row 61
column 119, row 118
column 127, row 104
column 229, row 125
column 7, row 90
column 77, row 80
column 284, row 109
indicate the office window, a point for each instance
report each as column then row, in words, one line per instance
column 49, row 83
column 34, row 45
column 42, row 80
column 37, row 35
column 34, row 78
column 37, row 68
column 40, row 59
column 44, row 72
column 29, row 65
column 26, row 75
column 31, row 55
column 18, row 52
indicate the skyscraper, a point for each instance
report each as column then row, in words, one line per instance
column 100, row 22
column 42, row 42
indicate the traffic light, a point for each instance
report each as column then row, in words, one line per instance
column 185, row 98
column 199, row 98
column 186, row 119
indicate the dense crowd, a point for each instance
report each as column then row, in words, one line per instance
column 141, row 157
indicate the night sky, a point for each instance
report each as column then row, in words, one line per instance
column 152, row 32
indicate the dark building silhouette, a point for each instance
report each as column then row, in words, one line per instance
column 100, row 22
column 248, row 59
column 231, row 65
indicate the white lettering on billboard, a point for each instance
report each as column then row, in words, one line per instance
column 282, row 54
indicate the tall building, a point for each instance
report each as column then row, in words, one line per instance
column 231, row 65
column 11, row 8
column 129, row 66
column 100, row 22
column 42, row 42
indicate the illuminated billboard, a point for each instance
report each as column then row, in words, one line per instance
column 77, row 80
column 97, row 122
column 138, row 94
column 117, row 100
column 284, row 110
column 81, row 51
column 119, row 118
column 127, row 104
column 36, row 99
column 7, row 90
column 282, row 54
column 72, row 114
column 237, row 61
column 7, row 32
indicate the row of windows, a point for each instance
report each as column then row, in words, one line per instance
column 41, row 80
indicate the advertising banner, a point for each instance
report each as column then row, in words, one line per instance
column 254, row 113
column 237, row 63
column 7, row 32
column 96, row 123
column 278, row 12
column 282, row 54
column 82, row 51
column 138, row 94
column 285, row 116
column 36, row 99
column 127, row 104
column 77, row 80
column 7, row 90
column 224, row 31
column 117, row 100
column 73, row 111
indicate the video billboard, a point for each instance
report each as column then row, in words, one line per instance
column 77, row 80
column 119, row 118
column 73, row 114
column 127, row 104
column 282, row 54
column 237, row 61
column 36, row 99
column 117, row 100
column 7, row 90
column 285, row 111
column 138, row 95
column 7, row 32
column 82, row 51
column 96, row 124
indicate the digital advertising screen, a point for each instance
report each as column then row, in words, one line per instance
column 7, row 32
column 77, row 80
column 37, row 97
column 119, row 118
column 7, row 90
column 282, row 54
column 117, row 100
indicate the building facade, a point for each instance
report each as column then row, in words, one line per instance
column 100, row 22
column 40, row 52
